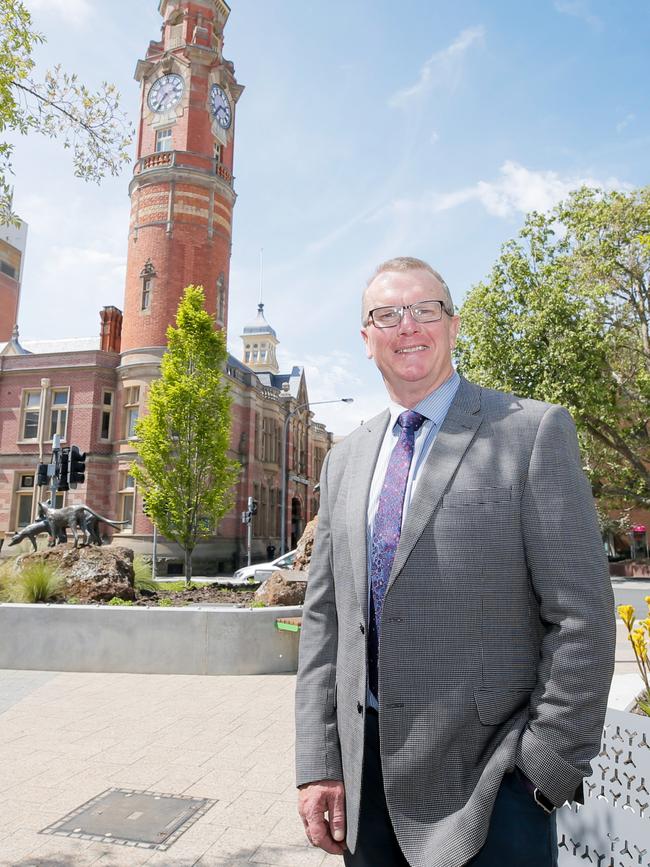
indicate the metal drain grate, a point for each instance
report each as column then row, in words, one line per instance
column 143, row 820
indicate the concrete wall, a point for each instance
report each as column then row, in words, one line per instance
column 147, row 640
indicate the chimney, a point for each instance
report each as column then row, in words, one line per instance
column 111, row 333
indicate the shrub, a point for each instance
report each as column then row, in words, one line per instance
column 117, row 601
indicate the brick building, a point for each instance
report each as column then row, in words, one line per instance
column 91, row 391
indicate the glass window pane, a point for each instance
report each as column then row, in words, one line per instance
column 108, row 398
column 60, row 397
column 27, row 481
column 24, row 510
column 127, row 509
column 131, row 418
column 30, row 431
column 33, row 398
column 106, row 425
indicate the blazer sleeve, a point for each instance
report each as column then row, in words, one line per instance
column 570, row 578
column 318, row 754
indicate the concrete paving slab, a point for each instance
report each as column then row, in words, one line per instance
column 66, row 737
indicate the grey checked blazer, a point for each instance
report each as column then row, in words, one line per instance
column 498, row 632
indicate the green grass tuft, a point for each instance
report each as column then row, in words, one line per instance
column 142, row 579
column 36, row 582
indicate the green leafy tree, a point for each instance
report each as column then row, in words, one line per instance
column 565, row 316
column 91, row 124
column 184, row 469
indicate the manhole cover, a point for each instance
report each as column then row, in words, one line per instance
column 145, row 820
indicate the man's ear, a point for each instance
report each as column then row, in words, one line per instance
column 454, row 326
column 364, row 334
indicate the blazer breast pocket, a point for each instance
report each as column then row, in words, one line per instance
column 476, row 497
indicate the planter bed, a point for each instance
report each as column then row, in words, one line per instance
column 155, row 640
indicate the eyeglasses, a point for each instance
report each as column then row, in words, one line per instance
column 421, row 311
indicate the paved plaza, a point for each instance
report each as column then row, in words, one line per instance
column 67, row 737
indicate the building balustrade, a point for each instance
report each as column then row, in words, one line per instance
column 183, row 159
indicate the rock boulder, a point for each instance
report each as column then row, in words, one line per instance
column 282, row 588
column 90, row 574
column 305, row 545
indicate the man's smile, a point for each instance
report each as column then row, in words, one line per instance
column 418, row 348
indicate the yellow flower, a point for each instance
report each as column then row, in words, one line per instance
column 637, row 637
column 626, row 613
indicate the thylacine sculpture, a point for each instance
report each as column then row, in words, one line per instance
column 32, row 531
column 76, row 518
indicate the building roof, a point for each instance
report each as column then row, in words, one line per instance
column 46, row 347
column 287, row 382
column 260, row 325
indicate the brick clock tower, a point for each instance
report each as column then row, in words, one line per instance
column 182, row 201
column 182, row 189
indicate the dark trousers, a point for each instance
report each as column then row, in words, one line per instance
column 521, row 834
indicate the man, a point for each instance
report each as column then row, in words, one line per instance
column 458, row 631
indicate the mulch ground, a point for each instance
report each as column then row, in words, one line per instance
column 205, row 594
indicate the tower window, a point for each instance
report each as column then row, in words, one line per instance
column 164, row 139
column 146, row 293
column 221, row 299
column 146, row 275
column 218, row 153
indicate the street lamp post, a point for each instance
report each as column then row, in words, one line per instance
column 283, row 512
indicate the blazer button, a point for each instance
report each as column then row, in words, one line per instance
column 359, row 707
column 362, row 628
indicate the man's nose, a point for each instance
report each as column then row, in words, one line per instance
column 407, row 325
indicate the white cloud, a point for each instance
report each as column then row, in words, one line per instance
column 627, row 120
column 442, row 68
column 75, row 12
column 521, row 189
column 579, row 9
column 517, row 189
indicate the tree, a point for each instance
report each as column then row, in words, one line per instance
column 185, row 473
column 565, row 317
column 59, row 106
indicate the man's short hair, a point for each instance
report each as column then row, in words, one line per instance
column 408, row 263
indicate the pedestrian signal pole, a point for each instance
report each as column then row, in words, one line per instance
column 247, row 518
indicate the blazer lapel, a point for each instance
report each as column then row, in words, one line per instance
column 451, row 443
column 360, row 468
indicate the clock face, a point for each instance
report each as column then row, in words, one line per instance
column 220, row 106
column 165, row 92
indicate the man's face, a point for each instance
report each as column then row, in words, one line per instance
column 414, row 358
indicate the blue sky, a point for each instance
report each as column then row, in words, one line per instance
column 367, row 129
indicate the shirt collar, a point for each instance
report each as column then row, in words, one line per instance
column 435, row 406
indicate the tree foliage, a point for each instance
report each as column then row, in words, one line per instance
column 565, row 317
column 91, row 124
column 184, row 470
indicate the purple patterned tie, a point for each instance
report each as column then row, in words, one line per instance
column 386, row 531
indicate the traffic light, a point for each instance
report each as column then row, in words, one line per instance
column 77, row 466
column 42, row 477
column 62, row 484
column 252, row 506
